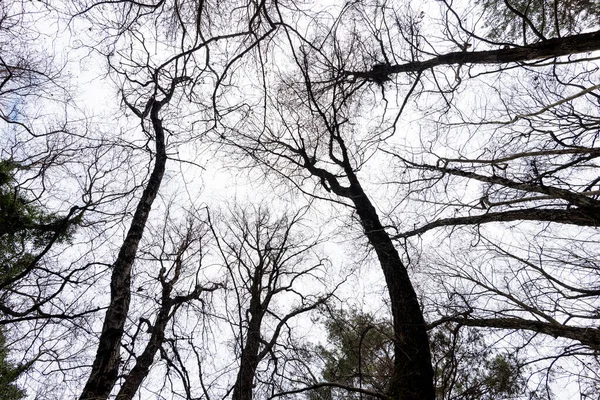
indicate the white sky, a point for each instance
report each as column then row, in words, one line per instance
column 214, row 183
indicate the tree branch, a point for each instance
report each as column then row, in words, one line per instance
column 587, row 336
column 573, row 216
column 582, row 43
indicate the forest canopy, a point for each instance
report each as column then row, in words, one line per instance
column 299, row 200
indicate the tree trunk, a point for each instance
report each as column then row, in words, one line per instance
column 106, row 364
column 413, row 373
column 143, row 363
column 249, row 360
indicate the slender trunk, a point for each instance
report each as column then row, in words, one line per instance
column 413, row 373
column 249, row 360
column 169, row 305
column 106, row 364
column 143, row 363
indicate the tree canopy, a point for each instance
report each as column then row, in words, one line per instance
column 196, row 198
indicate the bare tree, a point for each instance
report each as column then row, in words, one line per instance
column 461, row 138
column 311, row 137
column 150, row 86
column 509, row 182
column 315, row 132
column 180, row 258
column 273, row 275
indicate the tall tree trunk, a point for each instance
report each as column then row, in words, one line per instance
column 106, row 364
column 413, row 373
column 249, row 359
column 244, row 382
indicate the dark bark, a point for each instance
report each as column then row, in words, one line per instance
column 140, row 370
column 252, row 354
column 249, row 359
column 269, row 253
column 106, row 364
column 557, row 47
column 573, row 216
column 413, row 373
column 143, row 363
column 586, row 336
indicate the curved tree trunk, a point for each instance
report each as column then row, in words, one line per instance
column 106, row 364
column 413, row 373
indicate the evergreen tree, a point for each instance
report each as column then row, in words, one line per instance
column 26, row 232
column 8, row 374
column 360, row 355
column 26, row 229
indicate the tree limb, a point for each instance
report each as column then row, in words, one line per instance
column 573, row 216
column 585, row 42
